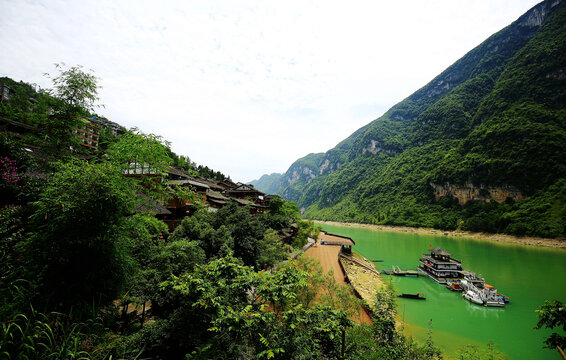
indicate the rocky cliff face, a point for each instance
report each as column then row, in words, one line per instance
column 304, row 173
column 304, row 170
column 536, row 16
column 469, row 192
column 374, row 147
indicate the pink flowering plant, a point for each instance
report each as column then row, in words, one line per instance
column 9, row 170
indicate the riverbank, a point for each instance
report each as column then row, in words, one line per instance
column 327, row 255
column 524, row 240
column 364, row 280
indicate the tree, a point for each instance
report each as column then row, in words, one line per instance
column 146, row 235
column 246, row 231
column 552, row 314
column 78, row 250
column 76, row 89
column 144, row 157
column 227, row 310
column 74, row 95
column 15, row 187
column 214, row 242
column 384, row 311
column 141, row 154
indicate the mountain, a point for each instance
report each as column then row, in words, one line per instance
column 269, row 184
column 480, row 147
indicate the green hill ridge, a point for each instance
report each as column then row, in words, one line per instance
column 480, row 147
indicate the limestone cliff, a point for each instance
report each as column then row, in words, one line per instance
column 470, row 192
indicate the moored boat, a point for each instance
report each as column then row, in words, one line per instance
column 417, row 296
column 454, row 286
column 494, row 302
column 440, row 266
column 472, row 296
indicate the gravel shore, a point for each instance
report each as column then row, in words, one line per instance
column 524, row 240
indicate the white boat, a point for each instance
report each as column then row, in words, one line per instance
column 495, row 302
column 472, row 296
column 491, row 298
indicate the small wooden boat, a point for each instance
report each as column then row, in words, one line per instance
column 417, row 296
column 454, row 286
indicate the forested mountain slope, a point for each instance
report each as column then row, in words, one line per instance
column 490, row 127
column 269, row 184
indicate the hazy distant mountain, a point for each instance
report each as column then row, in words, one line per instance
column 491, row 126
column 269, row 184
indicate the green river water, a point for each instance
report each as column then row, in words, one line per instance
column 527, row 274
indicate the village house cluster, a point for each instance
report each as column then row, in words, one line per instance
column 209, row 193
column 213, row 195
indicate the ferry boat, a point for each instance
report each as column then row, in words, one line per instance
column 440, row 266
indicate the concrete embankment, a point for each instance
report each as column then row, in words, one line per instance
column 348, row 269
column 327, row 255
column 362, row 276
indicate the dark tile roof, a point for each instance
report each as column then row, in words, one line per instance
column 178, row 172
column 440, row 251
column 151, row 206
column 211, row 194
column 189, row 182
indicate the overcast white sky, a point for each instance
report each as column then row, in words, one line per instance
column 248, row 87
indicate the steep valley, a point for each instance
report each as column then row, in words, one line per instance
column 490, row 127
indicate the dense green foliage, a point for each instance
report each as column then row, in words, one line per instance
column 223, row 310
column 79, row 251
column 76, row 243
column 26, row 105
column 551, row 315
column 494, row 119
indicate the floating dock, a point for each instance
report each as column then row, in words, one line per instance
column 398, row 272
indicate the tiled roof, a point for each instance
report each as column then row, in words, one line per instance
column 151, row 206
column 189, row 182
column 211, row 194
column 178, row 172
column 440, row 251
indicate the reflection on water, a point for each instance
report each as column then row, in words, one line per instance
column 528, row 275
column 475, row 310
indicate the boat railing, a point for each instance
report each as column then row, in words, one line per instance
column 439, row 262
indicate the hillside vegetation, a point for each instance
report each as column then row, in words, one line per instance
column 92, row 268
column 492, row 123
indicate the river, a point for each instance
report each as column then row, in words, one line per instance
column 527, row 274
